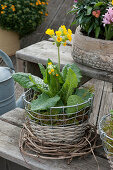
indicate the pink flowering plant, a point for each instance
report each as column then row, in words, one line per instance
column 95, row 17
column 108, row 23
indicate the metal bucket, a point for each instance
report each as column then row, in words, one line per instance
column 7, row 97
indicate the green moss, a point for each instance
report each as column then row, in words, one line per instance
column 108, row 129
column 56, row 117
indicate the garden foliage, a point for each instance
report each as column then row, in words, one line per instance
column 57, row 87
column 22, row 16
column 95, row 17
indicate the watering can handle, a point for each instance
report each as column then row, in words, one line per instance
column 6, row 59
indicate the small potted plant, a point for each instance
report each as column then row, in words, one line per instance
column 106, row 134
column 19, row 18
column 92, row 44
column 57, row 109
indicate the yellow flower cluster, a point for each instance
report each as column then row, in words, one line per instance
column 60, row 36
column 50, row 32
column 51, row 69
column 112, row 2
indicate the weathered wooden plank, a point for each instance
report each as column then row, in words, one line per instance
column 37, row 35
column 18, row 90
column 106, row 101
column 9, row 135
column 106, row 104
column 57, row 15
column 15, row 117
column 98, row 87
column 62, row 17
column 108, row 87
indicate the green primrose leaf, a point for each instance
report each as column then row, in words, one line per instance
column 44, row 102
column 42, row 69
column 74, row 68
column 70, row 84
column 23, row 79
column 39, row 83
column 74, row 100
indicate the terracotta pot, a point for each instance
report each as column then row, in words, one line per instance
column 92, row 52
column 9, row 42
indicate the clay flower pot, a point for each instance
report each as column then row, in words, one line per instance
column 9, row 42
column 92, row 52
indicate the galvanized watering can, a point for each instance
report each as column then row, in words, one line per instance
column 7, row 95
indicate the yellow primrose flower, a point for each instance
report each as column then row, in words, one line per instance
column 64, row 43
column 63, row 27
column 52, row 70
column 59, row 39
column 69, row 37
column 49, row 63
column 57, row 75
column 65, row 32
column 69, row 31
column 58, row 33
column 50, row 32
column 49, row 72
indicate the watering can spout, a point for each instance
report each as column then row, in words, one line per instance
column 19, row 102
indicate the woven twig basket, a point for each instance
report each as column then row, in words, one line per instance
column 32, row 146
column 58, row 128
column 106, row 140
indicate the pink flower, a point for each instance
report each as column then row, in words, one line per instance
column 108, row 17
column 75, row 1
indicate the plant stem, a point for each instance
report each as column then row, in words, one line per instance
column 108, row 32
column 59, row 58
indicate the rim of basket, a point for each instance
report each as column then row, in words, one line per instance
column 89, row 100
column 102, row 132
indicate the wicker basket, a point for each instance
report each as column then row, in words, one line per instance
column 106, row 140
column 58, row 128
